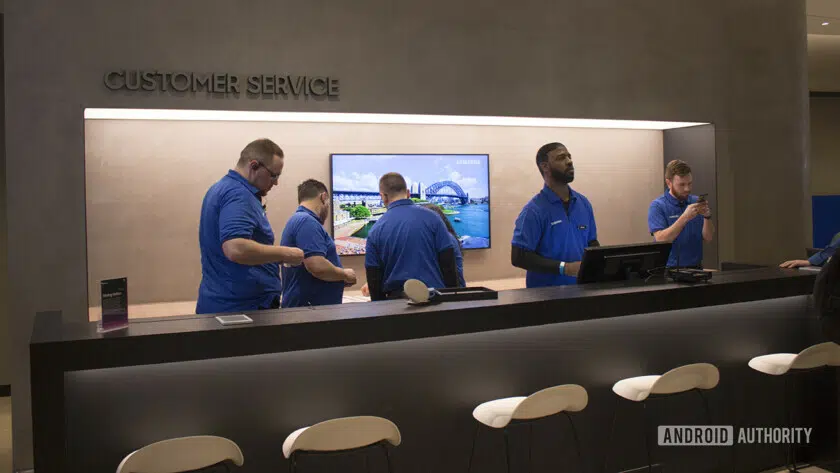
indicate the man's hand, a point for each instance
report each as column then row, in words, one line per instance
column 694, row 210
column 291, row 256
column 365, row 290
column 349, row 277
column 704, row 209
column 797, row 263
column 572, row 269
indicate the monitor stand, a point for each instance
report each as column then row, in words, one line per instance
column 631, row 275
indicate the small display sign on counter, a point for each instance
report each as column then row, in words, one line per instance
column 114, row 304
column 234, row 319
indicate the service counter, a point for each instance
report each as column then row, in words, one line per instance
column 96, row 397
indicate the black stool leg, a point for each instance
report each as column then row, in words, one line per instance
column 709, row 419
column 645, row 434
column 387, row 457
column 530, row 435
column 472, row 450
column 507, row 450
column 612, row 432
column 789, row 418
column 367, row 463
column 293, row 462
column 784, row 449
column 577, row 441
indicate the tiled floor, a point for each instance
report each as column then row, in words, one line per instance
column 812, row 469
column 5, row 435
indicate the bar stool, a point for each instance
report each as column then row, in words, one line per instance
column 341, row 436
column 694, row 377
column 501, row 413
column 183, row 454
column 777, row 364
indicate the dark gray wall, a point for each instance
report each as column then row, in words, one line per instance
column 739, row 64
column 5, row 329
column 696, row 146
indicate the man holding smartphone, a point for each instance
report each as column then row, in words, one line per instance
column 679, row 217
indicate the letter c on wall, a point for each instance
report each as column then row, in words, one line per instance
column 109, row 80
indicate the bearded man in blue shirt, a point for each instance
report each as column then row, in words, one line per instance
column 555, row 226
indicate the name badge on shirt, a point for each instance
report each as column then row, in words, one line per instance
column 581, row 227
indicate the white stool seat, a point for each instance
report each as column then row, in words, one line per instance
column 815, row 356
column 637, row 388
column 345, row 433
column 681, row 379
column 181, row 454
column 498, row 413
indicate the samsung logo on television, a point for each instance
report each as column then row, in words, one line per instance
column 221, row 83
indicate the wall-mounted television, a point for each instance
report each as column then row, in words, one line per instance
column 458, row 183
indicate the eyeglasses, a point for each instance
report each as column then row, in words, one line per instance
column 274, row 176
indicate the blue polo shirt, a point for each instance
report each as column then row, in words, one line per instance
column 663, row 212
column 232, row 209
column 405, row 243
column 820, row 258
column 546, row 228
column 300, row 287
column 459, row 261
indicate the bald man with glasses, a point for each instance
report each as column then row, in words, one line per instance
column 240, row 265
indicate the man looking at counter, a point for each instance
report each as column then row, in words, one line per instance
column 321, row 279
column 555, row 226
column 239, row 261
column 407, row 242
column 679, row 217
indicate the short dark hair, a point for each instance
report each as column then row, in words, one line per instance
column 391, row 183
column 542, row 153
column 677, row 168
column 261, row 150
column 309, row 189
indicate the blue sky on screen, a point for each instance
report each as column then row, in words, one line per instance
column 355, row 172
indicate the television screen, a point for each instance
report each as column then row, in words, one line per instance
column 458, row 183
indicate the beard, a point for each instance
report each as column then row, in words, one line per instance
column 323, row 215
column 681, row 196
column 563, row 177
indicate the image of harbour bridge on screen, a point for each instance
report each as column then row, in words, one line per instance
column 458, row 183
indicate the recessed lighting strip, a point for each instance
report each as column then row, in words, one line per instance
column 373, row 118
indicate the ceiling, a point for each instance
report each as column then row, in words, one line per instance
column 823, row 45
column 823, row 11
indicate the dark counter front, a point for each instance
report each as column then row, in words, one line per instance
column 97, row 397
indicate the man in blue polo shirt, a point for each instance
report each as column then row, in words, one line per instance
column 817, row 259
column 321, row 279
column 679, row 217
column 407, row 242
column 555, row 226
column 239, row 262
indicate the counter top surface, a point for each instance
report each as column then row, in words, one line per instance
column 396, row 320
